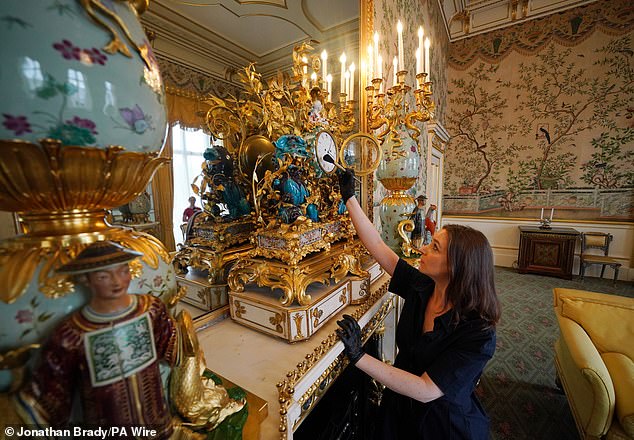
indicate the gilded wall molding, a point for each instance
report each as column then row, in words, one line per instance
column 612, row 17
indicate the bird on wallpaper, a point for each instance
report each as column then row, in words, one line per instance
column 543, row 130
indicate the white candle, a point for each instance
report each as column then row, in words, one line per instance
column 342, row 59
column 395, row 68
column 399, row 31
column 324, row 64
column 426, row 65
column 329, row 81
column 313, row 79
column 419, row 51
column 418, row 63
column 370, row 64
column 541, row 217
column 552, row 210
column 376, row 54
column 379, row 61
column 352, row 69
column 347, row 92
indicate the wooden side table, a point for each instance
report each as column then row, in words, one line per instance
column 547, row 251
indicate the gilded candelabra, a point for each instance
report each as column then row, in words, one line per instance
column 390, row 114
column 388, row 111
column 341, row 116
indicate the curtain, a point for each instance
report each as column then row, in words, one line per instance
column 189, row 111
column 163, row 194
column 186, row 109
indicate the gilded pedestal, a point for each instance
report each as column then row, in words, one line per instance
column 293, row 278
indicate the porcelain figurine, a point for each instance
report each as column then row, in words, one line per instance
column 104, row 351
column 418, row 217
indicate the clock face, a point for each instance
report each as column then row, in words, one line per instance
column 325, row 145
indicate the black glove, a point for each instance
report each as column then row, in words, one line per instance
column 346, row 184
column 350, row 335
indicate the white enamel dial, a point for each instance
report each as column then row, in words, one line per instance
column 325, row 145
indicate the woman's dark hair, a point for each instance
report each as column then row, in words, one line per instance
column 471, row 286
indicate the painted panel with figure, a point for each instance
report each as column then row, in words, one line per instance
column 541, row 116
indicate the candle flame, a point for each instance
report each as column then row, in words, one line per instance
column 399, row 27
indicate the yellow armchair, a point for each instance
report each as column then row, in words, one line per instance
column 594, row 358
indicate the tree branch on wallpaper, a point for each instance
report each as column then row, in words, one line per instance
column 578, row 104
column 608, row 167
column 574, row 101
column 478, row 132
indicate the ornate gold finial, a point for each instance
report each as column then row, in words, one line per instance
column 285, row 104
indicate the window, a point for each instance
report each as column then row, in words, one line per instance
column 189, row 146
column 32, row 74
column 80, row 99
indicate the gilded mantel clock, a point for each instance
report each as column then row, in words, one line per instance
column 326, row 151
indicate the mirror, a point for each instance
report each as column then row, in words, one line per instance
column 219, row 38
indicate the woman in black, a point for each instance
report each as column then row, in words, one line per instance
column 445, row 334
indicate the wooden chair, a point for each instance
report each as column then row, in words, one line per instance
column 600, row 241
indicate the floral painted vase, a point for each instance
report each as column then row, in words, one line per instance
column 397, row 172
column 84, row 75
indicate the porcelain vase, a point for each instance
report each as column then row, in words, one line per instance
column 83, row 121
column 74, row 74
column 397, row 172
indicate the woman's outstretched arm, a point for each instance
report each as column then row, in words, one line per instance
column 420, row 388
column 368, row 234
column 370, row 237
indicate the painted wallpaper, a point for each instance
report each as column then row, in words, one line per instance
column 541, row 115
column 413, row 13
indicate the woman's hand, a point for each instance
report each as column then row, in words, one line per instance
column 350, row 334
column 346, row 184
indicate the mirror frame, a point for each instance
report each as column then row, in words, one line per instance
column 366, row 27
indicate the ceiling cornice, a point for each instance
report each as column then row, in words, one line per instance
column 467, row 18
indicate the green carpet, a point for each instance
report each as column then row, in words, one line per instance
column 518, row 385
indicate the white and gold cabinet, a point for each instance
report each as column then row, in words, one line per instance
column 292, row 378
column 202, row 294
column 260, row 309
